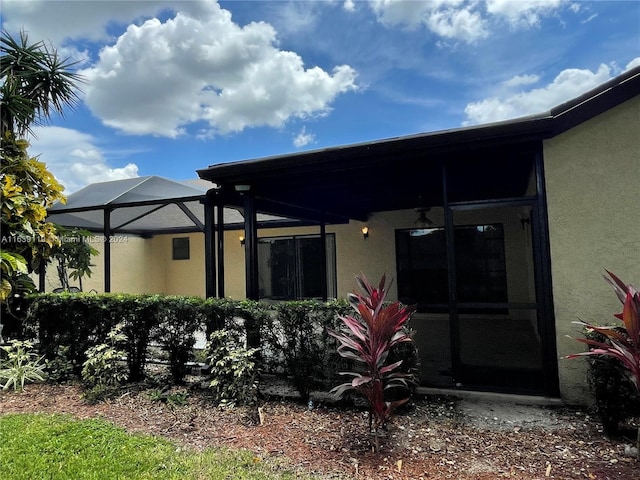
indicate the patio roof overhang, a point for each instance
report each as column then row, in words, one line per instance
column 337, row 184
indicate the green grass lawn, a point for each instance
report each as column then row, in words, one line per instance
column 37, row 446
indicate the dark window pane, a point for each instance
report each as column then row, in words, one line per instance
column 310, row 252
column 282, row 269
column 422, row 265
column 291, row 268
column 480, row 265
column 181, row 248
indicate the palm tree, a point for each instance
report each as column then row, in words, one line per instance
column 35, row 83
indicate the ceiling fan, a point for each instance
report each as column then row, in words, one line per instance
column 422, row 220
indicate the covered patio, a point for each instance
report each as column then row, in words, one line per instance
column 149, row 206
column 446, row 199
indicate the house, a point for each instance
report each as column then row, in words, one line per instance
column 499, row 234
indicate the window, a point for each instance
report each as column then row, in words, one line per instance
column 480, row 266
column 291, row 267
column 181, row 248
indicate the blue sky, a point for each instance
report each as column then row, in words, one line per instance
column 174, row 86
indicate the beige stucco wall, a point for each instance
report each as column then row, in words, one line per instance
column 129, row 271
column 180, row 277
column 140, row 265
column 593, row 193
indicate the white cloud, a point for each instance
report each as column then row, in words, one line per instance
column 523, row 13
column 74, row 159
column 349, row 5
column 160, row 78
column 294, row 17
column 568, row 84
column 303, row 138
column 633, row 63
column 465, row 20
column 60, row 20
column 520, row 80
column 451, row 19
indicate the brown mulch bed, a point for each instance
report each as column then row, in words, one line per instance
column 430, row 439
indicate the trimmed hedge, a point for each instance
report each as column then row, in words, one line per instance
column 292, row 336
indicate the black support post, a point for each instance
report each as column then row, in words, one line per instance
column 220, row 228
column 251, row 247
column 323, row 256
column 209, row 249
column 107, row 250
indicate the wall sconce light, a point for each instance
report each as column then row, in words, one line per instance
column 365, row 232
column 241, row 238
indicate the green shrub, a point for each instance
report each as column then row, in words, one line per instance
column 21, row 365
column 79, row 321
column 180, row 319
column 616, row 399
column 292, row 344
column 234, row 378
column 103, row 366
column 218, row 313
column 173, row 399
column 60, row 369
column 619, row 342
column 100, row 393
column 138, row 315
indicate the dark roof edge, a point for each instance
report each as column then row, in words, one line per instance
column 596, row 101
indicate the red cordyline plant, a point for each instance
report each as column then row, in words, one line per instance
column 367, row 338
column 621, row 341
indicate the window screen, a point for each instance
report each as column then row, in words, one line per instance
column 181, row 248
column 423, row 276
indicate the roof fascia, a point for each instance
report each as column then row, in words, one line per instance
column 509, row 132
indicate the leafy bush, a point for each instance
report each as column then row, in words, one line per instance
column 138, row 315
column 21, row 365
column 173, row 399
column 234, row 378
column 79, row 321
column 60, row 368
column 290, row 338
column 296, row 345
column 621, row 342
column 180, row 319
column 104, row 366
column 616, row 399
column 368, row 338
column 218, row 313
